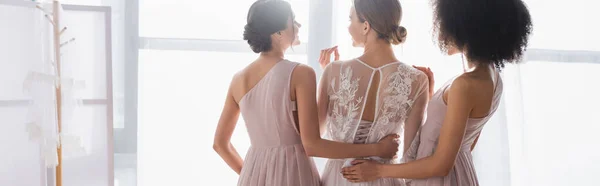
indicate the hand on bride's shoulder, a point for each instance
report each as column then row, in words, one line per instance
column 429, row 74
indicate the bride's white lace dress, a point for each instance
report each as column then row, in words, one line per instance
column 400, row 100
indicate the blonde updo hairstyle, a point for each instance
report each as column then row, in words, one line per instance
column 384, row 17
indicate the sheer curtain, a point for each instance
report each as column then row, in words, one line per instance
column 552, row 100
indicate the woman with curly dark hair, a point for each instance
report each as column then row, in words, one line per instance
column 488, row 33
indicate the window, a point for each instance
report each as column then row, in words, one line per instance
column 185, row 68
column 572, row 29
column 204, row 19
column 573, row 107
column 180, row 99
column 552, row 97
column 551, row 118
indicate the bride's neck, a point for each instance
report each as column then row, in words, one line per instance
column 378, row 53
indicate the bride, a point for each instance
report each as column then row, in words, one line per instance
column 364, row 99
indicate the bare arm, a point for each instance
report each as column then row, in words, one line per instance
column 225, row 127
column 309, row 125
column 442, row 161
column 323, row 102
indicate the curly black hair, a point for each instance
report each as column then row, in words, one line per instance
column 487, row 31
column 266, row 17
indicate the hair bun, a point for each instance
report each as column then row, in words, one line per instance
column 398, row 35
column 258, row 42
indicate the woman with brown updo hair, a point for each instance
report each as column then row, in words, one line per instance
column 364, row 99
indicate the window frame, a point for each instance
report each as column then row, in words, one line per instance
column 565, row 56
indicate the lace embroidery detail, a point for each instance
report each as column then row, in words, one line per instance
column 345, row 107
column 396, row 102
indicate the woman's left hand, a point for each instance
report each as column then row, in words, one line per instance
column 362, row 171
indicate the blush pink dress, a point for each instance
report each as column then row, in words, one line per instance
column 463, row 172
column 276, row 156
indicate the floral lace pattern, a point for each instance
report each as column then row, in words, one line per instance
column 345, row 107
column 392, row 89
column 347, row 102
column 396, row 102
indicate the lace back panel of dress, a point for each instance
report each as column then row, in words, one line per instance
column 394, row 100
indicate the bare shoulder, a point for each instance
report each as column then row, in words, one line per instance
column 478, row 84
column 463, row 86
column 239, row 77
column 303, row 74
column 237, row 85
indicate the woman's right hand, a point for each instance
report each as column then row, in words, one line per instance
column 388, row 146
column 325, row 57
